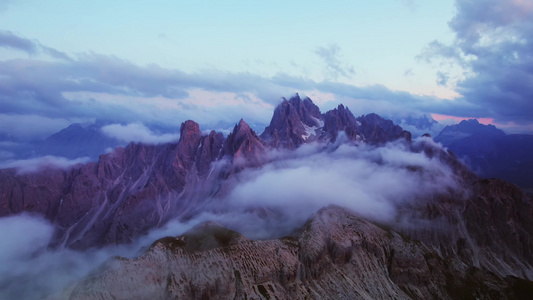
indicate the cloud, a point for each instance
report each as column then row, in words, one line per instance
column 4, row 4
column 95, row 86
column 334, row 67
column 442, row 78
column 493, row 47
column 31, row 270
column 9, row 40
column 31, row 127
column 373, row 182
column 24, row 230
column 33, row 165
column 137, row 132
column 91, row 86
column 270, row 201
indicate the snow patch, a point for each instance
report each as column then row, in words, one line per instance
column 309, row 131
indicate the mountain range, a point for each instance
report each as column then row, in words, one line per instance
column 426, row 228
column 490, row 152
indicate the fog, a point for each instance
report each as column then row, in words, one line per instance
column 137, row 132
column 29, row 270
column 372, row 182
column 32, row 165
column 266, row 202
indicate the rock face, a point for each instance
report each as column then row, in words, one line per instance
column 294, row 121
column 340, row 119
column 335, row 255
column 132, row 189
column 244, row 145
column 490, row 152
column 139, row 187
column 376, row 130
column 124, row 194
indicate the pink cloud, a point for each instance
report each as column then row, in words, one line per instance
column 439, row 118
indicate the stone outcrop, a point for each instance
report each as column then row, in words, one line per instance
column 335, row 255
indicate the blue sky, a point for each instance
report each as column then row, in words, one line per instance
column 162, row 62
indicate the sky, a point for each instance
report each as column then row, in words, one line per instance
column 163, row 62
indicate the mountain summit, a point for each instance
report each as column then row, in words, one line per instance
column 293, row 123
column 490, row 152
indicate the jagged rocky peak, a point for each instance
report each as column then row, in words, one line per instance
column 308, row 112
column 293, row 123
column 210, row 147
column 467, row 128
column 189, row 130
column 298, row 121
column 377, row 130
column 242, row 128
column 340, row 119
column 243, row 142
column 190, row 135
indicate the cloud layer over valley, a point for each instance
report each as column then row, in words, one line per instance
column 266, row 202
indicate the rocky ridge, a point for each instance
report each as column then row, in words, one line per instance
column 139, row 187
column 335, row 255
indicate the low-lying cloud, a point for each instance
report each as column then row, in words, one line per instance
column 137, row 132
column 33, row 165
column 28, row 270
column 370, row 181
column 31, row 127
column 266, row 202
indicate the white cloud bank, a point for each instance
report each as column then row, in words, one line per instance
column 137, row 132
column 33, row 165
column 28, row 270
column 373, row 182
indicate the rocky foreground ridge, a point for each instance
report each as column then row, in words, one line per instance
column 335, row 255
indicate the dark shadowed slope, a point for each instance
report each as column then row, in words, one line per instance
column 335, row 255
column 490, row 152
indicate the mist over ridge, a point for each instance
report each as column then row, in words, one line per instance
column 263, row 186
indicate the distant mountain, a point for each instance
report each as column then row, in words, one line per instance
column 335, row 255
column 490, row 152
column 77, row 140
column 467, row 128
